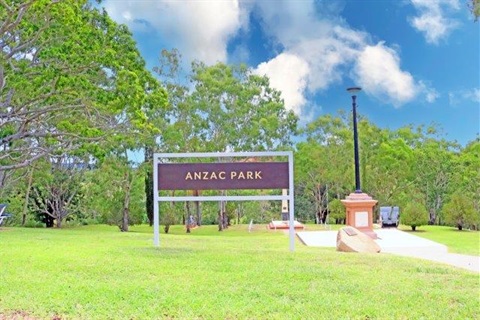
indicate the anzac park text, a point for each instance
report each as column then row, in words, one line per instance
column 223, row 175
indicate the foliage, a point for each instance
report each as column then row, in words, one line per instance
column 414, row 214
column 395, row 165
column 474, row 6
column 71, row 80
column 169, row 216
column 467, row 174
column 322, row 163
column 210, row 275
column 219, row 108
column 460, row 212
column 108, row 187
column 337, row 210
column 56, row 191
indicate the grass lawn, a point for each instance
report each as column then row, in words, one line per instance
column 464, row 242
column 97, row 272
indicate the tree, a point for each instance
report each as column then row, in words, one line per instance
column 414, row 214
column 113, row 193
column 474, row 6
column 226, row 108
column 72, row 83
column 390, row 167
column 70, row 78
column 337, row 210
column 322, row 163
column 245, row 113
column 239, row 111
column 460, row 211
column 56, row 191
column 433, row 169
column 466, row 175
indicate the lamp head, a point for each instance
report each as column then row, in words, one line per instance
column 354, row 90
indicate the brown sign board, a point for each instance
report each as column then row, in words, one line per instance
column 223, row 176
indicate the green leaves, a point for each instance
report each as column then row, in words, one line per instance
column 73, row 77
column 227, row 109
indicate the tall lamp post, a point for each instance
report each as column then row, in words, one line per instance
column 353, row 92
column 358, row 205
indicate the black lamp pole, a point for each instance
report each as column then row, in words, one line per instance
column 353, row 91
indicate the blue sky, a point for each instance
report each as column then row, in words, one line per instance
column 418, row 61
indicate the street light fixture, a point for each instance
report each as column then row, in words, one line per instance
column 353, row 92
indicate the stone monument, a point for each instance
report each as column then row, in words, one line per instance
column 359, row 212
column 350, row 239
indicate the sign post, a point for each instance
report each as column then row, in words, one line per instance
column 222, row 176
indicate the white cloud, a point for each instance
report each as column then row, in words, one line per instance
column 287, row 73
column 457, row 97
column 316, row 48
column 432, row 20
column 473, row 95
column 198, row 29
column 324, row 44
column 378, row 72
column 431, row 95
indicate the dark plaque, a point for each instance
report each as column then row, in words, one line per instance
column 223, row 176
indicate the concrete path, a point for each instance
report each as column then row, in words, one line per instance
column 401, row 243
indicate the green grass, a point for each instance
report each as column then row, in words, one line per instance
column 97, row 272
column 464, row 242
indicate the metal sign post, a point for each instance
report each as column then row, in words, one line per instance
column 222, row 176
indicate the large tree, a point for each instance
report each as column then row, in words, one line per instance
column 324, row 162
column 222, row 108
column 70, row 78
column 72, row 84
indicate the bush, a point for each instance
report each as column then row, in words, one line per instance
column 169, row 217
column 34, row 224
column 414, row 215
column 460, row 212
column 337, row 210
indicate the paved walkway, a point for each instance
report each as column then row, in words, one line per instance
column 402, row 243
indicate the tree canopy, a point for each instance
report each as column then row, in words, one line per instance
column 70, row 79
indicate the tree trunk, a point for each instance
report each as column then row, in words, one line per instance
column 2, row 178
column 220, row 220
column 126, row 202
column 414, row 227
column 187, row 221
column 198, row 209
column 27, row 197
column 149, row 185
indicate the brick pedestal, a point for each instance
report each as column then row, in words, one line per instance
column 359, row 212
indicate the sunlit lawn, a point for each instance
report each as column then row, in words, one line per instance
column 464, row 242
column 97, row 272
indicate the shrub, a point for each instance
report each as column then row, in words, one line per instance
column 169, row 217
column 34, row 224
column 414, row 215
column 337, row 210
column 460, row 211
